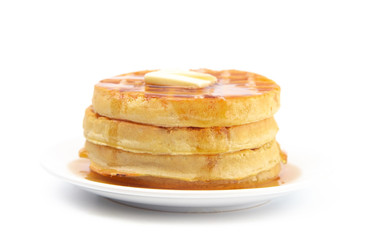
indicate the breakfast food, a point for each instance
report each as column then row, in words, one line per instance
column 143, row 138
column 199, row 129
column 236, row 98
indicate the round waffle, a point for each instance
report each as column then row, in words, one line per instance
column 237, row 98
column 238, row 169
column 135, row 137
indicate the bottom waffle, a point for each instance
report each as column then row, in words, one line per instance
column 242, row 169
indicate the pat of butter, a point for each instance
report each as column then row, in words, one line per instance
column 188, row 79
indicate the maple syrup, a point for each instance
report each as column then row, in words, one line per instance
column 231, row 83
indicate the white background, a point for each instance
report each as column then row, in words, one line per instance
column 53, row 52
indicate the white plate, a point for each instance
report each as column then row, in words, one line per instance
column 57, row 159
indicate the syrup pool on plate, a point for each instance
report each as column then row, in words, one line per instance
column 80, row 167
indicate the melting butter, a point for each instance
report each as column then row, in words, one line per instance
column 189, row 79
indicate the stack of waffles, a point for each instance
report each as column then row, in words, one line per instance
column 217, row 137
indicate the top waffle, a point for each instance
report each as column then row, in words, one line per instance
column 237, row 98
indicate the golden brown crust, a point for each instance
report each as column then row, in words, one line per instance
column 227, row 166
column 134, row 137
column 238, row 98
